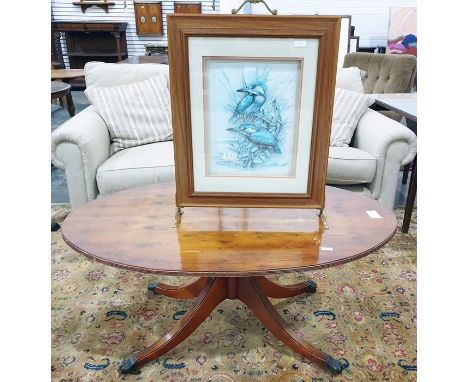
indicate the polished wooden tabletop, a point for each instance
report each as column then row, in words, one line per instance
column 134, row 229
column 62, row 74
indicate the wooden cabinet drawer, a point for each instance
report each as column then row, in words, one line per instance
column 148, row 18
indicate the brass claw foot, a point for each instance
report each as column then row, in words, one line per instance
column 129, row 366
column 334, row 365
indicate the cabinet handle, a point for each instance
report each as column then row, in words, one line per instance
column 154, row 19
column 142, row 19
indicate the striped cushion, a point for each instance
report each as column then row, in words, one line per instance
column 137, row 113
column 348, row 109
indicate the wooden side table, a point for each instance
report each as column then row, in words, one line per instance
column 66, row 74
column 62, row 91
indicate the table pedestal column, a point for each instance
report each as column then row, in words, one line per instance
column 410, row 199
column 209, row 293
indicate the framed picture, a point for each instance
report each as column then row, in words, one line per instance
column 402, row 34
column 354, row 44
column 345, row 39
column 252, row 103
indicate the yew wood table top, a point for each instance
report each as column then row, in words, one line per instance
column 134, row 229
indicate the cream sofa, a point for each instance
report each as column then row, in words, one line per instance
column 82, row 147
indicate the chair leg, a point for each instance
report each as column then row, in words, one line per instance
column 70, row 105
column 410, row 198
column 406, row 169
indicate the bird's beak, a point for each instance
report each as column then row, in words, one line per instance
column 247, row 90
column 231, row 129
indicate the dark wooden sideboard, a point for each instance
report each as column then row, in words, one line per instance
column 92, row 41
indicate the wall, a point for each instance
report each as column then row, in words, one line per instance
column 370, row 17
column 64, row 10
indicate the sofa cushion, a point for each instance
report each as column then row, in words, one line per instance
column 348, row 108
column 350, row 79
column 137, row 166
column 348, row 165
column 356, row 188
column 99, row 74
column 137, row 113
column 154, row 163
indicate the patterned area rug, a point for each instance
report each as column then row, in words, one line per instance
column 363, row 313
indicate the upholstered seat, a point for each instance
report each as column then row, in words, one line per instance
column 348, row 165
column 136, row 166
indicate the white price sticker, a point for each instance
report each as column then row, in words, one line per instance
column 326, row 248
column 374, row 214
column 300, row 43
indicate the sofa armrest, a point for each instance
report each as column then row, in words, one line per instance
column 80, row 146
column 392, row 144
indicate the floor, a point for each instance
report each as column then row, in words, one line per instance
column 58, row 180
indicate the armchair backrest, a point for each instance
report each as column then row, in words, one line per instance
column 386, row 73
column 101, row 74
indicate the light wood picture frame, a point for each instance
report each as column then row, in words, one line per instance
column 252, row 104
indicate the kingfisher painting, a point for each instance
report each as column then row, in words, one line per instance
column 254, row 117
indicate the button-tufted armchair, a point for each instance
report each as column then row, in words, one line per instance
column 385, row 73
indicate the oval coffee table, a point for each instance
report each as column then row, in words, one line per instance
column 231, row 249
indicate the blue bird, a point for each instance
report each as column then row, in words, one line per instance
column 244, row 103
column 259, row 98
column 258, row 135
column 252, row 102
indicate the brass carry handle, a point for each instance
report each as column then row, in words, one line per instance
column 272, row 11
